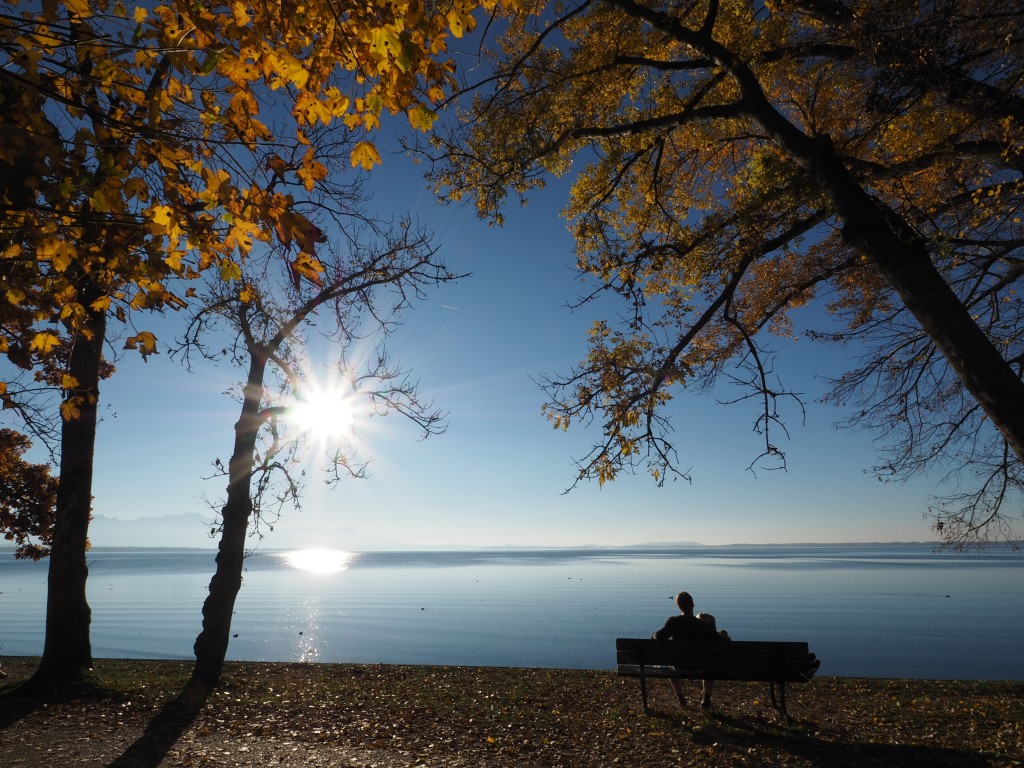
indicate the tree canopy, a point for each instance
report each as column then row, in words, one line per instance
column 142, row 147
column 735, row 160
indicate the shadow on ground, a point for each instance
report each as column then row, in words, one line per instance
column 161, row 733
column 742, row 735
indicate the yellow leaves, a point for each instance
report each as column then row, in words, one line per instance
column 58, row 252
column 309, row 110
column 144, row 342
column 44, row 342
column 78, row 8
column 312, row 170
column 242, row 234
column 460, row 23
column 385, row 43
column 422, row 118
column 240, row 14
column 229, row 270
column 173, row 260
column 67, row 381
column 365, row 155
column 281, row 68
column 15, row 296
column 309, row 267
column 69, row 409
column 241, row 72
column 336, row 102
column 163, row 221
column 218, row 183
column 248, row 294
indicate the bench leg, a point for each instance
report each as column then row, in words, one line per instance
column 643, row 691
column 779, row 704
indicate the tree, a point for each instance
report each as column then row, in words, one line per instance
column 744, row 158
column 374, row 278
column 142, row 149
column 28, row 496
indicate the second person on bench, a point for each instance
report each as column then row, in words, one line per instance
column 691, row 628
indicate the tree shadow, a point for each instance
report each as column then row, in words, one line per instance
column 17, row 703
column 163, row 731
column 20, row 699
column 745, row 734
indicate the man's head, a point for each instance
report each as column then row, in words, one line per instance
column 685, row 602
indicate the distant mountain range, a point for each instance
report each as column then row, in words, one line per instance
column 193, row 531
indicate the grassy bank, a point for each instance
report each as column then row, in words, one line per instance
column 390, row 716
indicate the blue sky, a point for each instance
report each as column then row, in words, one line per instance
column 497, row 476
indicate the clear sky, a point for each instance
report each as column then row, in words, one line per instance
column 497, row 476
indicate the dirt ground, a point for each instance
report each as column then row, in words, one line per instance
column 371, row 716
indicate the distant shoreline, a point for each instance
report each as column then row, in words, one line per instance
column 938, row 545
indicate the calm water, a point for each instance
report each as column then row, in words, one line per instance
column 884, row 611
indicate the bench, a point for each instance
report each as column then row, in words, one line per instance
column 770, row 662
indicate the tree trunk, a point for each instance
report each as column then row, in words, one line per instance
column 904, row 261
column 211, row 645
column 67, row 650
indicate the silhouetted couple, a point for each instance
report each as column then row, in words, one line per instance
column 700, row 628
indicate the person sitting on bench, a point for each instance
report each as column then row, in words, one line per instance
column 688, row 627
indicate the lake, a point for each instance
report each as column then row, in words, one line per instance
column 866, row 610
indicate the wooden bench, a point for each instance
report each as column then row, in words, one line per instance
column 770, row 662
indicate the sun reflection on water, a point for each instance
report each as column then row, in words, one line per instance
column 319, row 560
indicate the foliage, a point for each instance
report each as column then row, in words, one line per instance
column 735, row 161
column 28, row 498
column 149, row 144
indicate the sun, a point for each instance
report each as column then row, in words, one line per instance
column 321, row 561
column 325, row 412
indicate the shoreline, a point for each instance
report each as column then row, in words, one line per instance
column 386, row 716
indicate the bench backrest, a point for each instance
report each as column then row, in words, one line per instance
column 733, row 660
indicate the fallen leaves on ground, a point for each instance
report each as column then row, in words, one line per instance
column 450, row 717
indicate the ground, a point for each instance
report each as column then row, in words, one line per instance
column 456, row 717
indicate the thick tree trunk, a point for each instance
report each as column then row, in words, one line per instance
column 902, row 257
column 67, row 650
column 212, row 644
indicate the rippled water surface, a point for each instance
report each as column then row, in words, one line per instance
column 882, row 611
